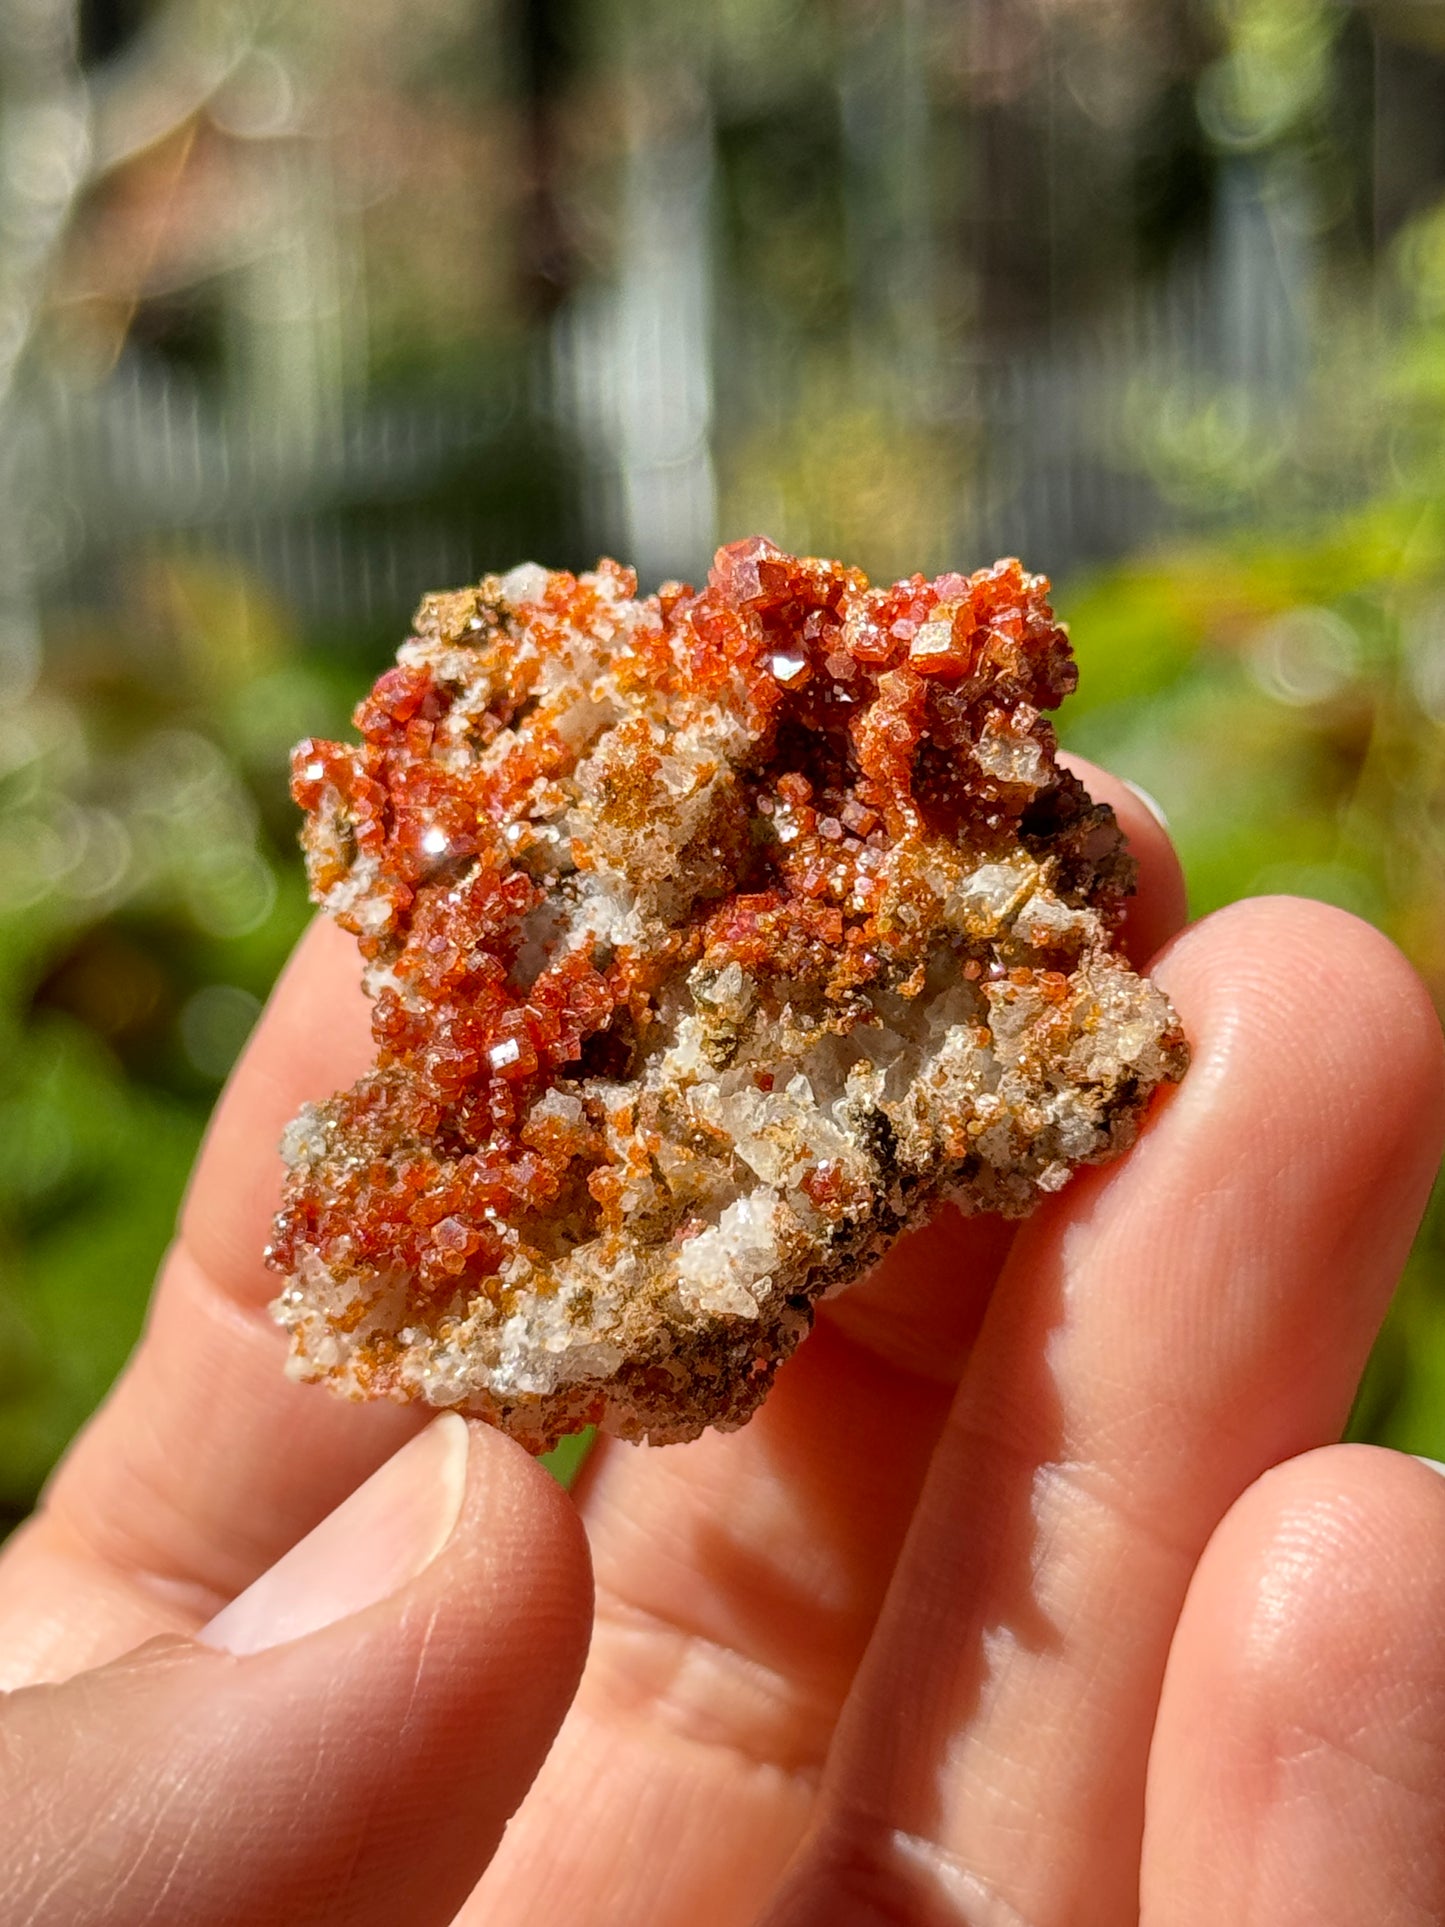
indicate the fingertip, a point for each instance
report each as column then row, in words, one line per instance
column 1327, row 992
column 347, row 1741
column 1159, row 906
column 468, row 1669
column 1296, row 1769
column 546, row 1570
column 1252, row 1238
column 1287, row 1590
column 459, row 1514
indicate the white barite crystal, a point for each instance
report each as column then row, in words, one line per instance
column 725, row 1271
column 527, row 582
column 304, row 1138
column 557, row 1107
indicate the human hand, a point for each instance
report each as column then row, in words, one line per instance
column 1035, row 1594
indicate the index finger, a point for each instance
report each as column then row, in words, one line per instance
column 206, row 1462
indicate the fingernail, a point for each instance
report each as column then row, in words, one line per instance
column 1434, row 1464
column 387, row 1532
column 1151, row 803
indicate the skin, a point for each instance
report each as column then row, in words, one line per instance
column 1037, row 1596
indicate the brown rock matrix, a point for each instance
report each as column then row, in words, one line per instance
column 713, row 938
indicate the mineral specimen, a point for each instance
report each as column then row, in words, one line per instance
column 713, row 938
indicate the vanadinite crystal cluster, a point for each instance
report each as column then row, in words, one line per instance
column 713, row 938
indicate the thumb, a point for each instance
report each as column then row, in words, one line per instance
column 344, row 1743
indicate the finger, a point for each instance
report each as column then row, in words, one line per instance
column 1297, row 1777
column 314, row 1038
column 1159, row 906
column 349, row 1740
column 739, row 1579
column 206, row 1462
column 1161, row 1334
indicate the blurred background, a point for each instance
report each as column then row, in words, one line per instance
column 307, row 309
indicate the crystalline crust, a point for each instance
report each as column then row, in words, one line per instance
column 713, row 939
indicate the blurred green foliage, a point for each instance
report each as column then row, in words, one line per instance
column 1282, row 693
column 1279, row 700
column 339, row 305
column 149, row 892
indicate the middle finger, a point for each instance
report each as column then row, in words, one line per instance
column 1161, row 1334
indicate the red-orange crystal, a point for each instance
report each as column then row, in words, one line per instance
column 568, row 805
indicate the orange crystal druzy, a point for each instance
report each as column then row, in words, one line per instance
column 712, row 937
column 864, row 702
